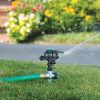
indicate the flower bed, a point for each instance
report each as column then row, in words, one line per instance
column 49, row 16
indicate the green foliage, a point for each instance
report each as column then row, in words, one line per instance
column 54, row 16
column 75, row 82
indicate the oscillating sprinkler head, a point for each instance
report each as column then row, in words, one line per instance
column 50, row 56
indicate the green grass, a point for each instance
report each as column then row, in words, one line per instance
column 75, row 82
column 67, row 38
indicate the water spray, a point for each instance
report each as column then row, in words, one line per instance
column 70, row 51
column 50, row 56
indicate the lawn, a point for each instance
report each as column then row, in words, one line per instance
column 67, row 38
column 75, row 82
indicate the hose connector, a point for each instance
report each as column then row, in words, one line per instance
column 51, row 75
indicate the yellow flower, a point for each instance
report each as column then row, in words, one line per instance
column 48, row 13
column 87, row 18
column 74, row 1
column 15, row 3
column 69, row 9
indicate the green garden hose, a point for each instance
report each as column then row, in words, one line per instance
column 23, row 78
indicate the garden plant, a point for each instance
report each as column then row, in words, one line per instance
column 35, row 17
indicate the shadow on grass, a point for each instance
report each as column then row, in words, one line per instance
column 31, row 38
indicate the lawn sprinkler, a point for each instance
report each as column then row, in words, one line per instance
column 50, row 56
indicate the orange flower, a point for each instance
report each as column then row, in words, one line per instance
column 87, row 18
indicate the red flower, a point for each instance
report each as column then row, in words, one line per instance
column 33, row 10
column 39, row 7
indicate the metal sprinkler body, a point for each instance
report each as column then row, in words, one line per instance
column 50, row 56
